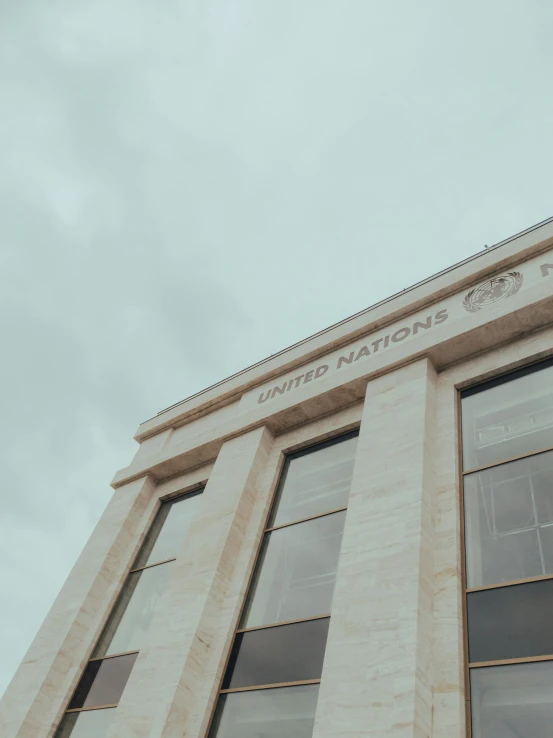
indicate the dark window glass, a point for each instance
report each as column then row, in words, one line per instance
column 509, row 521
column 513, row 701
column 132, row 616
column 296, row 572
column 508, row 419
column 168, row 531
column 287, row 712
column 315, row 482
column 89, row 724
column 511, row 622
column 287, row 653
column 103, row 682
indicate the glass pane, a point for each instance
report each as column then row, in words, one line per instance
column 546, row 543
column 288, row 712
column 508, row 521
column 508, row 420
column 511, row 622
column 103, row 682
column 90, row 724
column 315, row 482
column 296, row 572
column 168, row 531
column 287, row 653
column 132, row 616
column 512, row 701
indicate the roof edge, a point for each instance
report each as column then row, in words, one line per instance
column 221, row 401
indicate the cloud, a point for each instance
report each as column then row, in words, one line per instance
column 188, row 187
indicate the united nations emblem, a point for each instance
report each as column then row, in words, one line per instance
column 492, row 291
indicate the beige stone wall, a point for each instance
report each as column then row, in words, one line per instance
column 377, row 672
column 448, row 655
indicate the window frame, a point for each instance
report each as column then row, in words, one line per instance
column 193, row 491
column 286, row 454
column 468, row 389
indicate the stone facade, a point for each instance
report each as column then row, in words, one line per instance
column 394, row 664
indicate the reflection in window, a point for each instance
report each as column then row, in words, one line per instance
column 315, row 482
column 90, row 724
column 168, row 531
column 103, row 682
column 272, row 713
column 511, row 622
column 513, row 701
column 133, row 614
column 285, row 653
column 508, row 418
column 296, row 572
column 509, row 521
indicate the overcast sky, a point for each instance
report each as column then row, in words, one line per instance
column 189, row 186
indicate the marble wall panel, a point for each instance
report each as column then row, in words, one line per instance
column 377, row 673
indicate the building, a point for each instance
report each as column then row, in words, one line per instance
column 352, row 538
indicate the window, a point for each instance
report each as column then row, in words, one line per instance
column 512, row 701
column 103, row 682
column 93, row 704
column 509, row 521
column 271, row 683
column 292, row 652
column 90, row 724
column 296, row 578
column 507, row 430
column 508, row 417
column 271, row 713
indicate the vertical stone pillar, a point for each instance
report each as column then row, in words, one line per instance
column 38, row 693
column 166, row 689
column 448, row 717
column 376, row 678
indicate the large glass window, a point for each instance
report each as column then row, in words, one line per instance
column 510, row 622
column 297, row 571
column 103, row 682
column 508, row 509
column 92, row 706
column 133, row 614
column 502, row 423
column 90, row 724
column 509, row 521
column 514, row 701
column 315, row 483
column 272, row 679
column 289, row 653
column 285, row 712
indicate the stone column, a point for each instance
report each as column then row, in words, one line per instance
column 39, row 691
column 376, row 678
column 167, row 687
column 449, row 718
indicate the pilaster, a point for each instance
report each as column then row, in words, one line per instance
column 377, row 673
column 171, row 683
column 38, row 693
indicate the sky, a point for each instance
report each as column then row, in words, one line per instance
column 188, row 187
